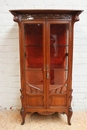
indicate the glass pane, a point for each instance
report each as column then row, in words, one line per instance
column 34, row 57
column 58, row 54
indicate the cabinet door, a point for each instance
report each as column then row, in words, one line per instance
column 34, row 45
column 57, row 73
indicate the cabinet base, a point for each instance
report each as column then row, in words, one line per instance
column 69, row 113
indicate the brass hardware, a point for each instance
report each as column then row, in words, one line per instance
column 47, row 68
column 47, row 75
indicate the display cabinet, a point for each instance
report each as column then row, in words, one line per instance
column 46, row 54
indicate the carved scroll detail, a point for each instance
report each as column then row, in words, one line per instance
column 77, row 17
column 60, row 88
column 21, row 97
column 17, row 18
column 21, row 17
column 63, row 16
column 33, row 89
column 45, row 16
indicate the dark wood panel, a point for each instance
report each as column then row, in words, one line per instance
column 58, row 101
column 34, row 101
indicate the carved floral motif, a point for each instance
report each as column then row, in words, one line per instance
column 45, row 16
column 19, row 18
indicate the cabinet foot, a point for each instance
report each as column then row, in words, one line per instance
column 70, row 112
column 22, row 123
column 23, row 114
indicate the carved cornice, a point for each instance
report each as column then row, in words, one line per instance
column 22, row 17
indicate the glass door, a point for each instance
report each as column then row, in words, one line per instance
column 58, row 62
column 34, row 63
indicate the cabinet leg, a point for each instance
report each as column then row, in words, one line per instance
column 22, row 123
column 70, row 112
column 23, row 114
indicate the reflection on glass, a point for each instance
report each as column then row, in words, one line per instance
column 34, row 56
column 58, row 54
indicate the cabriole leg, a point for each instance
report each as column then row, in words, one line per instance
column 23, row 114
column 70, row 112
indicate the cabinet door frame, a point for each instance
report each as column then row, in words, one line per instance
column 70, row 50
column 44, row 59
column 46, row 51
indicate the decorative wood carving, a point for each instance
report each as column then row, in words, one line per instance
column 19, row 18
column 33, row 89
column 45, row 16
column 77, row 17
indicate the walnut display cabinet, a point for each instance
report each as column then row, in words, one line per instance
column 46, row 54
